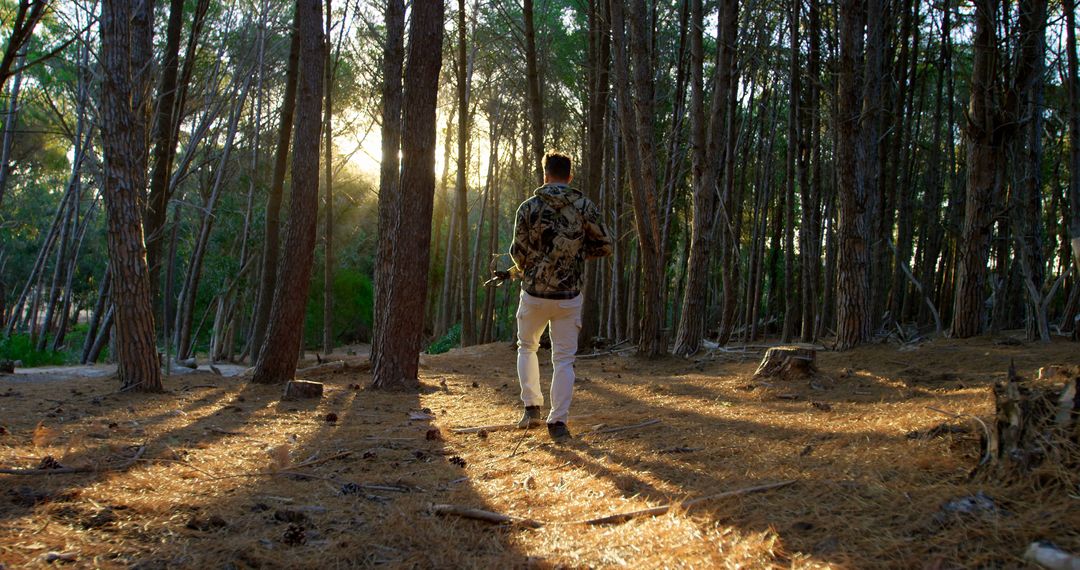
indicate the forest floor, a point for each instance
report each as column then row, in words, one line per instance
column 228, row 476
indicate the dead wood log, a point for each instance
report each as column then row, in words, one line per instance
column 482, row 515
column 787, row 362
column 683, row 505
column 1035, row 422
column 298, row 389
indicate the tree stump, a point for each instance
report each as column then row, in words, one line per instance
column 1036, row 423
column 300, row 389
column 7, row 366
column 788, row 363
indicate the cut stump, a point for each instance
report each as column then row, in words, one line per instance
column 787, row 362
column 300, row 389
column 7, row 366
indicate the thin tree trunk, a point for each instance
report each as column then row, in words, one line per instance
column 1074, row 131
column 271, row 242
column 328, row 205
column 464, row 76
column 536, row 103
column 165, row 131
column 791, row 300
column 184, row 339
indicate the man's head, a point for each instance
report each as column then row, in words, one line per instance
column 557, row 168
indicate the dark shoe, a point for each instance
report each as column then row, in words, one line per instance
column 532, row 417
column 559, row 432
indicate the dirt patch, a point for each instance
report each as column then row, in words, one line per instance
column 234, row 477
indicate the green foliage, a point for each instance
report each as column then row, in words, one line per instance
column 451, row 339
column 353, row 308
column 20, row 347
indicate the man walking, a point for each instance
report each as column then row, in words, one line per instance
column 555, row 232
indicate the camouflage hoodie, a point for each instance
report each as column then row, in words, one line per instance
column 554, row 233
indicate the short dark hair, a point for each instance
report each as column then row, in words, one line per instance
column 557, row 165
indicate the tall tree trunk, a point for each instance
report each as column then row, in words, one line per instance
column 708, row 141
column 468, row 317
column 536, row 103
column 810, row 183
column 271, row 242
column 165, row 132
column 853, row 256
column 126, row 49
column 983, row 177
column 278, row 355
column 1074, row 129
column 328, row 205
column 791, row 300
column 389, row 173
column 399, row 358
column 599, row 56
column 636, row 123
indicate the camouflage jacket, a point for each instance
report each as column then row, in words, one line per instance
column 555, row 231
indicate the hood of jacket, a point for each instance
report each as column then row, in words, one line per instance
column 558, row 196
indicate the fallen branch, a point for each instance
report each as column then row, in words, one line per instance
column 622, row 428
column 684, row 505
column 499, row 518
column 482, row 515
column 66, row 470
column 323, row 460
column 606, row 353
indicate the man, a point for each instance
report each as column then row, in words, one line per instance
column 555, row 232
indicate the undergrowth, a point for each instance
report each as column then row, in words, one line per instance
column 451, row 339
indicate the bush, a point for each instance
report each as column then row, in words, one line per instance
column 19, row 347
column 451, row 339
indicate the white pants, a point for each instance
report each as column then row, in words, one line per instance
column 533, row 315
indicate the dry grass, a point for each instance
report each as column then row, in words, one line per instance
column 207, row 493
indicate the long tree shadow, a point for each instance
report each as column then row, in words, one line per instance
column 236, row 477
column 841, row 446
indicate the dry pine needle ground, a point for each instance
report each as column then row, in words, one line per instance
column 231, row 477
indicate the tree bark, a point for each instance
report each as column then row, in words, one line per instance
column 983, row 177
column 271, row 242
column 853, row 259
column 708, row 138
column 328, row 204
column 389, row 168
column 1074, row 129
column 126, row 40
column 279, row 352
column 399, row 358
column 165, row 131
column 461, row 206
column 536, row 103
column 636, row 123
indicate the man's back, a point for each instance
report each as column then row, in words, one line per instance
column 555, row 232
